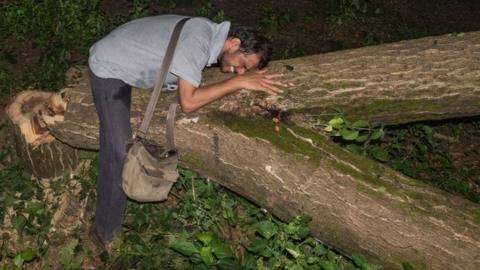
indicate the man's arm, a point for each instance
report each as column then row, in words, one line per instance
column 192, row 98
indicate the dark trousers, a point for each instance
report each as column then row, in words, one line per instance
column 112, row 99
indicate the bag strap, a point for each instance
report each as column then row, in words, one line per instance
column 162, row 74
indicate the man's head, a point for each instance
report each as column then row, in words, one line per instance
column 244, row 49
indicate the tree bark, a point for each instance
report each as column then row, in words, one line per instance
column 430, row 78
column 357, row 205
column 39, row 152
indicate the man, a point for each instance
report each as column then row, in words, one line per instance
column 131, row 56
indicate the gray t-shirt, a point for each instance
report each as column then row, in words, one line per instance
column 133, row 52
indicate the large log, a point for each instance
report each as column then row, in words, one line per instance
column 425, row 79
column 357, row 205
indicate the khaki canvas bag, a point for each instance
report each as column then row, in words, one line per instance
column 150, row 170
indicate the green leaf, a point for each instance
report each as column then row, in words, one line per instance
column 377, row 134
column 205, row 238
column 260, row 265
column 227, row 264
column 367, row 266
column 35, row 208
column 326, row 265
column 348, row 134
column 273, row 263
column 428, row 131
column 267, row 229
column 312, row 259
column 221, row 251
column 358, row 259
column 293, row 250
column 355, row 148
column 382, row 189
column 320, row 250
column 362, row 138
column 328, row 128
column 408, row 266
column 331, row 256
column 18, row 222
column 67, row 253
column 267, row 253
column 207, row 256
column 298, row 228
column 360, row 124
column 18, row 261
column 184, row 247
column 249, row 261
column 379, row 153
column 336, row 122
column 257, row 245
column 28, row 255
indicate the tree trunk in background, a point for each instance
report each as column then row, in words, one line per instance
column 357, row 205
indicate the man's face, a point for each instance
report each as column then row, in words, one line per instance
column 238, row 62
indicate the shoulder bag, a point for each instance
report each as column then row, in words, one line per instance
column 150, row 170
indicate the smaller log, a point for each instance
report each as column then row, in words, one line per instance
column 40, row 153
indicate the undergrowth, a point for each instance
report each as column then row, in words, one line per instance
column 411, row 149
column 200, row 226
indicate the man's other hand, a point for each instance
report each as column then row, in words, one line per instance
column 262, row 80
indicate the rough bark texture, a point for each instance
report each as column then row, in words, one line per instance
column 39, row 152
column 424, row 79
column 357, row 205
column 48, row 160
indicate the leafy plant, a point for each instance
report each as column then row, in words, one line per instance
column 139, row 9
column 59, row 28
column 345, row 11
column 19, row 203
column 414, row 152
column 358, row 137
column 67, row 256
column 210, row 11
column 273, row 18
column 206, row 252
column 410, row 150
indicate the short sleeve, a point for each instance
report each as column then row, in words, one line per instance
column 192, row 52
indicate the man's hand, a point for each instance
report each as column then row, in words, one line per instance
column 192, row 98
column 261, row 81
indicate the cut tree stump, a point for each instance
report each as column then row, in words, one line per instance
column 39, row 152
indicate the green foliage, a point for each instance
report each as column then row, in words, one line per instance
column 209, row 10
column 410, row 150
column 358, row 137
column 345, row 11
column 274, row 18
column 58, row 28
column 414, row 152
column 21, row 203
column 139, row 9
column 67, row 256
column 208, row 227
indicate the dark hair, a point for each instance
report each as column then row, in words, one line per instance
column 252, row 42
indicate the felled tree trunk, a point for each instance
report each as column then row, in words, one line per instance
column 425, row 79
column 357, row 205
